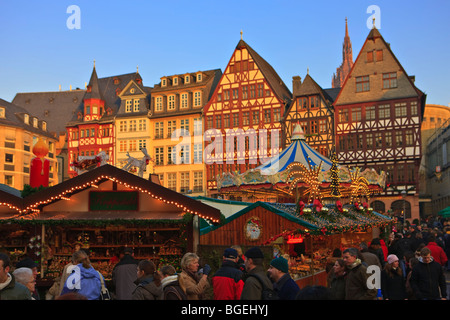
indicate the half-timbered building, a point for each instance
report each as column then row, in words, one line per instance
column 312, row 108
column 242, row 120
column 91, row 129
column 378, row 114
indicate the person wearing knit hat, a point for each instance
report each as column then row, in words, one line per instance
column 283, row 284
column 393, row 284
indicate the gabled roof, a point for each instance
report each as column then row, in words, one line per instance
column 109, row 87
column 372, row 36
column 266, row 205
column 108, row 172
column 269, row 73
column 310, row 87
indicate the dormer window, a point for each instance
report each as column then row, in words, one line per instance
column 175, row 81
column 199, row 77
column 187, row 79
column 35, row 122
column 26, row 119
column 2, row 112
column 129, row 105
column 163, row 82
column 44, row 125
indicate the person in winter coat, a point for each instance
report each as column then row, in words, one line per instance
column 148, row 282
column 124, row 275
column 393, row 285
column 253, row 288
column 193, row 283
column 26, row 277
column 437, row 252
column 170, row 284
column 85, row 280
column 336, row 282
column 10, row 289
column 283, row 284
column 375, row 248
column 356, row 278
column 427, row 278
column 227, row 281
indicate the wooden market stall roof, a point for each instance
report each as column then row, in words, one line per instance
column 280, row 219
column 33, row 203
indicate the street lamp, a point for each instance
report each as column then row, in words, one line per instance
column 403, row 193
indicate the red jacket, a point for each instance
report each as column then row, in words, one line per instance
column 227, row 282
column 437, row 253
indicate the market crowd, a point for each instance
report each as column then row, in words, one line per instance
column 413, row 262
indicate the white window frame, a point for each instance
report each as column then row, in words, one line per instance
column 184, row 100
column 128, row 105
column 171, row 102
column 197, row 99
column 136, row 105
column 158, row 103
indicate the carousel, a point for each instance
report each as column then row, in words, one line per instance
column 300, row 173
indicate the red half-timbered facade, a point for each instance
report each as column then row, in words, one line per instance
column 91, row 129
column 378, row 113
column 242, row 120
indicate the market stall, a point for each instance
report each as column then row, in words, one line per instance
column 307, row 237
column 100, row 212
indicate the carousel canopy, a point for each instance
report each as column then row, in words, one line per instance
column 298, row 151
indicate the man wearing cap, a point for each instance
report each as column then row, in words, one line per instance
column 284, row 286
column 253, row 288
column 227, row 281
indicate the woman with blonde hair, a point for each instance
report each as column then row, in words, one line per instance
column 193, row 283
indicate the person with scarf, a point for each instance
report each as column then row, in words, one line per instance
column 393, row 285
column 356, row 284
column 10, row 289
column 193, row 283
column 170, row 284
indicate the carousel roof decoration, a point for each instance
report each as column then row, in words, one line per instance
column 30, row 207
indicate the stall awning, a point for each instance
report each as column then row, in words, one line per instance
column 109, row 215
column 37, row 201
column 445, row 213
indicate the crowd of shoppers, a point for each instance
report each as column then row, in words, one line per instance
column 412, row 264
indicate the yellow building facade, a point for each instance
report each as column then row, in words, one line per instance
column 19, row 132
column 176, row 130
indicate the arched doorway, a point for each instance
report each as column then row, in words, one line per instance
column 398, row 207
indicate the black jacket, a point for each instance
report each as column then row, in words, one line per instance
column 427, row 279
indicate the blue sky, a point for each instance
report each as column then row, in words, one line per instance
column 39, row 52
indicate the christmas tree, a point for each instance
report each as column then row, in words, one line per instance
column 334, row 185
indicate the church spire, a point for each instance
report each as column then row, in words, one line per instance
column 347, row 61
